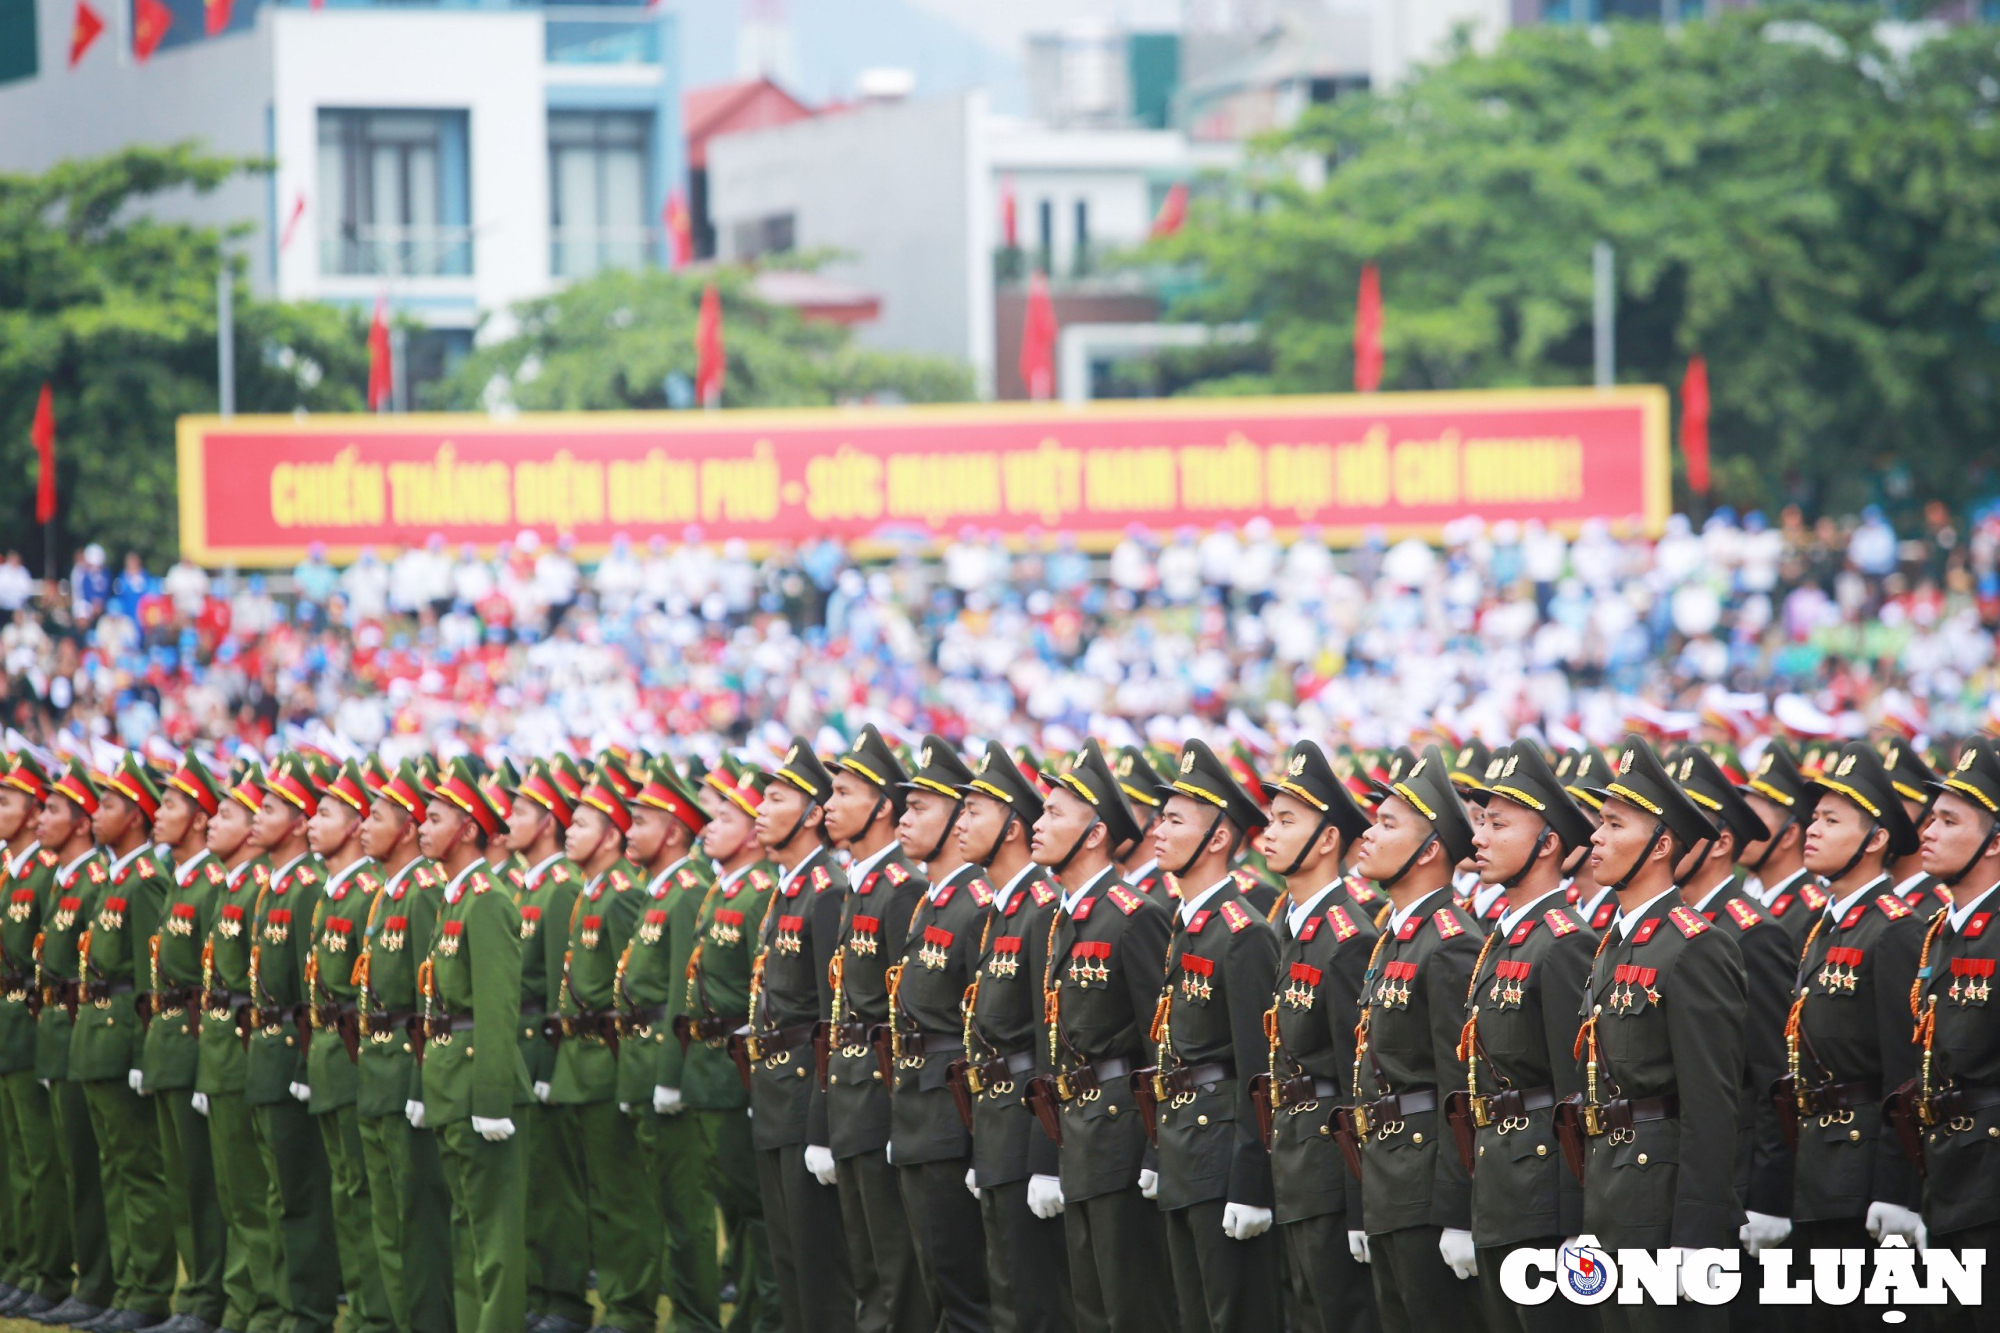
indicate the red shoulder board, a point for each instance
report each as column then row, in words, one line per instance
column 1233, row 913
column 1408, row 930
column 1243, row 877
column 1446, row 923
column 560, row 874
column 96, row 872
column 1559, row 921
column 620, row 880
column 1690, row 923
column 759, row 880
column 822, row 878
column 981, row 891
column 1644, row 930
column 1360, row 890
column 1082, row 912
column 1199, row 921
column 118, row 877
column 1977, row 925
column 47, row 857
column 261, row 873
column 1784, row 900
column 895, row 873
column 1343, row 924
column 1813, row 896
column 1129, row 902
column 279, row 886
column 1742, row 913
column 687, row 879
column 1892, row 907
column 1572, row 893
column 1044, row 895
column 1521, row 932
column 1602, row 916
column 216, row 874
column 944, row 895
column 304, row 875
column 1311, row 927
column 146, row 867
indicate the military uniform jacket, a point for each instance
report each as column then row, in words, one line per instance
column 791, row 989
column 652, row 980
column 1763, row 1162
column 171, row 1054
column 545, row 896
column 113, row 964
column 1798, row 904
column 1522, row 1038
column 339, row 924
column 1219, row 972
column 280, row 943
column 1854, row 1027
column 1003, row 1020
column 1154, row 883
column 67, row 915
column 225, row 975
column 1962, row 1181
column 1414, row 998
column 940, row 952
column 397, row 931
column 1315, row 1003
column 1105, row 963
column 602, row 921
column 718, row 987
column 1923, row 895
column 1669, row 1000
column 874, row 925
column 26, row 877
column 472, row 982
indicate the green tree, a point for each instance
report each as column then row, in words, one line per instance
column 1814, row 210
column 610, row 342
column 117, row 310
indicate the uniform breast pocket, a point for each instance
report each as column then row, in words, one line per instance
column 1644, row 1169
column 1197, row 979
column 1971, row 983
column 1089, row 964
column 1395, row 986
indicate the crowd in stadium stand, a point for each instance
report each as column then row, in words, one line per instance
column 1503, row 627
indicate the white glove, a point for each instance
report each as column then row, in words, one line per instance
column 1149, row 1183
column 44, row 1082
column 972, row 1182
column 493, row 1131
column 1761, row 1231
column 819, row 1161
column 414, row 1113
column 1241, row 1221
column 889, row 1153
column 666, row 1100
column 542, row 1093
column 301, row 1092
column 1455, row 1244
column 1357, row 1246
column 1888, row 1219
column 136, row 1079
column 199, row 1101
column 624, row 1108
column 1045, row 1198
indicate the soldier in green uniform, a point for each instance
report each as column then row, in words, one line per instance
column 791, row 992
column 1595, row 903
column 1214, row 1179
column 1662, row 1044
column 931, row 1144
column 172, row 1053
column 715, row 998
column 274, row 1079
column 112, row 967
column 27, row 1119
column 559, row 1250
column 1914, row 784
column 1518, row 1043
column 339, row 922
column 667, row 818
column 624, row 1206
column 411, row 1223
column 1778, row 879
column 471, row 988
column 1325, row 939
column 242, row 1184
column 1100, row 983
column 884, row 890
column 1416, row 1194
column 1027, row 1261
column 1138, row 863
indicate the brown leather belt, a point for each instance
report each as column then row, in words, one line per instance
column 709, row 1029
column 444, row 1027
column 174, row 997
column 1189, row 1077
column 98, row 990
column 1001, row 1069
column 223, row 1001
column 1306, row 1088
column 847, row 1034
column 773, row 1040
column 1625, row 1112
column 1401, row 1105
column 1086, row 1079
column 391, row 1020
column 631, row 1020
column 1823, row 1098
column 1953, row 1103
column 1510, row 1104
column 917, row 1045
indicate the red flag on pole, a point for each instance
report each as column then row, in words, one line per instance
column 1038, row 340
column 1010, row 222
column 292, row 223
column 680, row 232
column 381, row 371
column 1694, row 425
column 1173, row 212
column 711, row 362
column 84, row 29
column 1368, row 331
column 215, row 15
column 150, row 21
column 43, row 434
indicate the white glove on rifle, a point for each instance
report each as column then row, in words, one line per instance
column 1357, row 1246
column 819, row 1161
column 1149, row 1183
column 493, row 1131
column 1045, row 1199
column 1760, row 1231
column 1242, row 1221
column 666, row 1100
column 1455, row 1245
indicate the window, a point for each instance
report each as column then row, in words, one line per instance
column 597, row 190
column 1081, row 261
column 773, row 235
column 395, row 195
column 1045, row 226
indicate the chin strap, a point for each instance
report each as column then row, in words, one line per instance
column 949, row 825
column 1075, row 847
column 1001, row 837
column 1770, row 848
column 798, row 825
column 1985, row 846
column 1534, row 854
column 1202, row 846
column 1306, row 850
column 1859, row 852
column 1638, row 862
column 1393, row 880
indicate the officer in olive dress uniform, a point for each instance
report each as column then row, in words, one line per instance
column 1662, row 1044
column 1914, row 784
column 1100, row 983
column 1027, row 1262
column 1778, row 879
column 1325, row 939
column 1595, row 903
column 1138, row 863
column 791, row 992
column 1416, row 1194
column 471, row 987
column 1518, row 1043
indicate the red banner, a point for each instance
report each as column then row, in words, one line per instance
column 260, row 490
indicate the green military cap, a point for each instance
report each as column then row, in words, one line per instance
column 1640, row 780
column 802, row 769
column 939, row 769
column 1205, row 776
column 1976, row 776
column 1311, row 777
column 998, row 774
column 665, row 789
column 872, row 757
column 740, row 783
column 504, row 777
column 1855, row 771
column 1393, row 766
column 1426, row 786
column 246, row 783
column 1138, row 778
column 428, row 772
column 458, row 785
column 1588, row 769
column 1032, row 769
column 1088, row 775
column 24, row 773
column 1519, row 773
column 1702, row 778
column 135, row 782
column 1778, row 780
column 1468, row 765
column 1912, row 778
column 1814, row 755
column 695, row 769
column 75, row 783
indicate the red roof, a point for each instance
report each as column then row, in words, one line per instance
column 729, row 108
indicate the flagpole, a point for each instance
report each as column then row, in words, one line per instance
column 225, row 338
column 1605, row 315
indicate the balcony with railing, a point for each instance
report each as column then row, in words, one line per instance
column 398, row 252
column 578, row 252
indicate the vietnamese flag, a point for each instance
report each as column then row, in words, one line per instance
column 381, row 371
column 1173, row 212
column 1368, row 331
column 84, row 29
column 1694, row 425
column 1038, row 340
column 150, row 21
column 711, row 361
column 680, row 232
column 215, row 15
column 43, row 436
